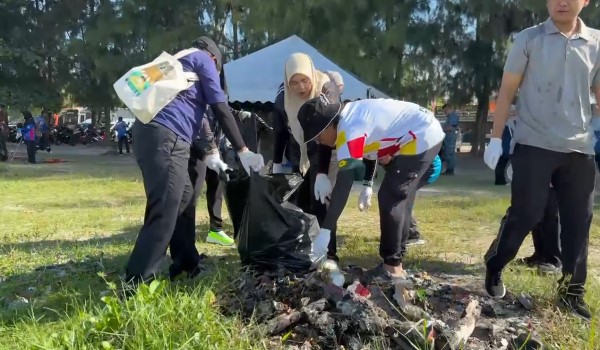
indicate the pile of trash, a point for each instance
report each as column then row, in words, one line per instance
column 342, row 309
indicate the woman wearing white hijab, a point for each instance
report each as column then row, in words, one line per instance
column 303, row 82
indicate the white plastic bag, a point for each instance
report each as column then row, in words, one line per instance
column 148, row 88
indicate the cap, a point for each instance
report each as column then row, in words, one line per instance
column 316, row 114
column 206, row 43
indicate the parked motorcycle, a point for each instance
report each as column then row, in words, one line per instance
column 62, row 134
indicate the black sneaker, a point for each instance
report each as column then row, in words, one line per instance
column 549, row 268
column 530, row 261
column 176, row 270
column 575, row 304
column 448, row 172
column 494, row 285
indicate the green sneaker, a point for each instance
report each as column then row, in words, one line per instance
column 219, row 237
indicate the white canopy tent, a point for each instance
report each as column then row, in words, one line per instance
column 256, row 77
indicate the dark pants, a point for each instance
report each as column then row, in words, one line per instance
column 596, row 157
column 413, row 230
column 501, row 170
column 573, row 177
column 546, row 234
column 396, row 197
column 31, row 149
column 123, row 140
column 164, row 159
column 305, row 200
column 215, row 188
column 44, row 142
column 450, row 150
column 3, row 149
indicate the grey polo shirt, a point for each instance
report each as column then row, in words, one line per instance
column 554, row 106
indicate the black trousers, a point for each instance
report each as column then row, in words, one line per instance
column 215, row 188
column 396, row 197
column 169, row 220
column 44, row 142
column 546, row 234
column 413, row 230
column 123, row 140
column 31, row 149
column 305, row 200
column 3, row 149
column 501, row 170
column 573, row 177
column 597, row 158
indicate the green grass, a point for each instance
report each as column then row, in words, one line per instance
column 86, row 214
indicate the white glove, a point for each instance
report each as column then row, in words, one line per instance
column 251, row 160
column 364, row 199
column 213, row 161
column 322, row 188
column 243, row 115
column 277, row 168
column 320, row 244
column 493, row 152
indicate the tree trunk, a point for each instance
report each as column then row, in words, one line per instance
column 106, row 123
column 234, row 20
column 94, row 115
column 483, row 102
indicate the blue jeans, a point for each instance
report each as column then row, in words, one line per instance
column 450, row 150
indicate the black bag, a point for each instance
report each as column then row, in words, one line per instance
column 273, row 232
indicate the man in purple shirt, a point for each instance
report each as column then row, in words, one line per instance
column 162, row 151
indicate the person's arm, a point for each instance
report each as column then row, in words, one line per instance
column 370, row 168
column 205, row 143
column 339, row 198
column 281, row 132
column 351, row 168
column 514, row 69
column 324, row 158
column 596, row 88
column 215, row 97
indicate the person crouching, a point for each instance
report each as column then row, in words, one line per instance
column 403, row 136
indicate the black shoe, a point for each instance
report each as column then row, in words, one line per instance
column 176, row 270
column 575, row 304
column 494, row 285
column 531, row 261
column 543, row 265
column 130, row 285
column 448, row 172
column 549, row 268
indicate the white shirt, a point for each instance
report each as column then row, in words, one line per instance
column 375, row 128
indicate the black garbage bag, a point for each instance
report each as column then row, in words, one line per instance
column 273, row 232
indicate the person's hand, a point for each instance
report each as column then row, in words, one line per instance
column 364, row 199
column 277, row 168
column 322, row 188
column 213, row 161
column 251, row 160
column 244, row 114
column 493, row 152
